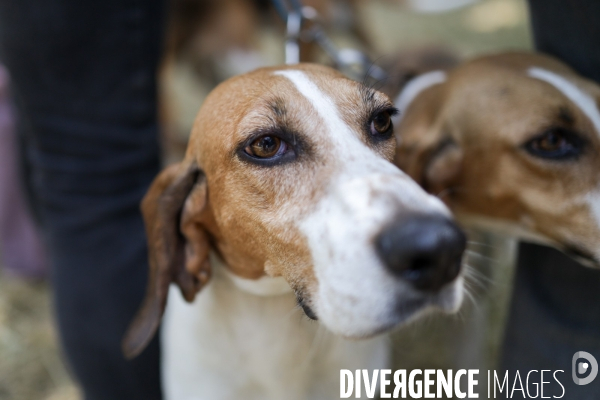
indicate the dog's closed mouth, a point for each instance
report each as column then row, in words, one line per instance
column 307, row 310
column 406, row 309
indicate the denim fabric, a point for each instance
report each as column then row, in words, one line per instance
column 569, row 30
column 555, row 312
column 83, row 77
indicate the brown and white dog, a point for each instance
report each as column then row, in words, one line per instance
column 509, row 141
column 287, row 196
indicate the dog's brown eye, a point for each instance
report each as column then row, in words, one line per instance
column 381, row 123
column 266, row 147
column 557, row 144
column 552, row 141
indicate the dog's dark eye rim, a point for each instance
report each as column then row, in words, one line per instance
column 571, row 149
column 376, row 135
column 287, row 139
column 278, row 147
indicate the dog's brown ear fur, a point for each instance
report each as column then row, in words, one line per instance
column 409, row 63
column 426, row 151
column 197, row 245
column 443, row 167
column 162, row 208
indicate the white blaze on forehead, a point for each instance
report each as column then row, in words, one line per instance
column 345, row 140
column 356, row 295
column 583, row 100
column 324, row 106
column 355, row 157
column 415, row 87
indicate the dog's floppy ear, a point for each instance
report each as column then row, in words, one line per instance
column 426, row 150
column 443, row 167
column 163, row 209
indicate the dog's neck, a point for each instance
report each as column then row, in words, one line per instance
column 263, row 286
column 255, row 327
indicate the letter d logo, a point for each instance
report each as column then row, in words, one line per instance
column 583, row 367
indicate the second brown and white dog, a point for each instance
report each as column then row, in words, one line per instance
column 511, row 142
column 287, row 195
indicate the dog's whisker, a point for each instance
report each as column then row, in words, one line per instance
column 293, row 311
column 472, row 242
column 472, row 273
column 475, row 285
column 476, row 277
column 460, row 315
column 373, row 64
column 481, row 256
column 314, row 346
column 470, row 296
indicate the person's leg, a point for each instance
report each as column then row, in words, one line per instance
column 555, row 310
column 554, row 313
column 21, row 248
column 84, row 82
column 570, row 31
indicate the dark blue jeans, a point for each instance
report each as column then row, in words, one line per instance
column 555, row 309
column 83, row 77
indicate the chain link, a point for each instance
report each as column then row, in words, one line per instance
column 352, row 62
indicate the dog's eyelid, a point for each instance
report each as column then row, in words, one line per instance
column 576, row 144
column 285, row 134
column 378, row 109
column 380, row 136
column 285, row 158
column 563, row 130
column 392, row 110
column 566, row 116
column 290, row 139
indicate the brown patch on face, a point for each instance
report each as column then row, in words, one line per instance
column 490, row 108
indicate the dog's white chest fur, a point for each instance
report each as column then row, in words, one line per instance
column 231, row 344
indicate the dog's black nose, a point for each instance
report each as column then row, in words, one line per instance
column 424, row 250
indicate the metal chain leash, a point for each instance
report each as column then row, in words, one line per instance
column 352, row 62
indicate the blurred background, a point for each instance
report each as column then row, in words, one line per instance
column 195, row 60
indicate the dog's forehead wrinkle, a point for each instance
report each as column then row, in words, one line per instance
column 565, row 115
column 255, row 120
column 278, row 106
column 367, row 92
column 579, row 97
column 264, row 86
column 372, row 97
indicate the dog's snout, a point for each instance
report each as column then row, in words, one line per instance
column 424, row 250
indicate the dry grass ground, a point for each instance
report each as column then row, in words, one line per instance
column 30, row 364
